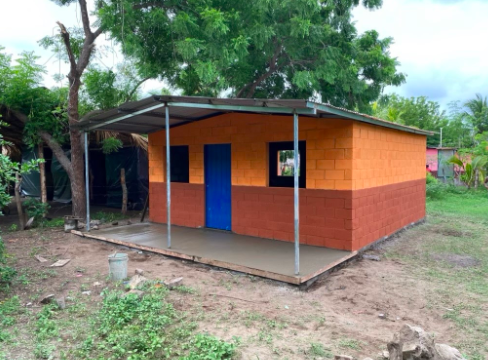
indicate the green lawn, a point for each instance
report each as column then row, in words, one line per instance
column 450, row 251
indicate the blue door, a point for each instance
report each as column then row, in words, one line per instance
column 217, row 186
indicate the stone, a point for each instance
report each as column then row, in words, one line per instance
column 114, row 223
column 95, row 227
column 382, row 316
column 28, row 304
column 139, row 293
column 129, row 222
column 343, row 357
column 447, row 352
column 95, row 222
column 139, row 272
column 86, row 292
column 136, row 281
column 97, row 284
column 412, row 343
column 47, row 299
column 61, row 303
column 371, row 257
column 173, row 282
column 385, row 354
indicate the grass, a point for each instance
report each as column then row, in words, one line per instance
column 122, row 326
column 456, row 231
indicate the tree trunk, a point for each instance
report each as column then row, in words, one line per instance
column 124, row 191
column 77, row 177
column 18, row 201
column 42, row 173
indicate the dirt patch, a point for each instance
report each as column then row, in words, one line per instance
column 452, row 232
column 462, row 261
column 274, row 320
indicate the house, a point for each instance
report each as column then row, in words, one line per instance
column 359, row 178
column 437, row 162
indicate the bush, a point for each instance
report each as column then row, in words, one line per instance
column 435, row 189
column 36, row 209
column 6, row 272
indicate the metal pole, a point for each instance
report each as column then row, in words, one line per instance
column 440, row 145
column 168, row 179
column 296, row 189
column 87, row 184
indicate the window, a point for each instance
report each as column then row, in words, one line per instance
column 180, row 164
column 281, row 164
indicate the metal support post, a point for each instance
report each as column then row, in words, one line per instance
column 87, row 184
column 168, row 178
column 296, row 168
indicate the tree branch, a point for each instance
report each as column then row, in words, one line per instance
column 69, row 50
column 51, row 142
column 135, row 88
column 85, row 19
column 58, row 152
column 273, row 66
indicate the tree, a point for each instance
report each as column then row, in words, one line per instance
column 477, row 112
column 418, row 112
column 79, row 49
column 255, row 48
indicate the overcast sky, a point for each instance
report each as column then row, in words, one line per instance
column 441, row 44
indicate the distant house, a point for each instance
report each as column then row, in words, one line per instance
column 437, row 162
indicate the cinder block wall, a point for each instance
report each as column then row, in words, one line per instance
column 363, row 181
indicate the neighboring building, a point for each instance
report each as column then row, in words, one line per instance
column 437, row 162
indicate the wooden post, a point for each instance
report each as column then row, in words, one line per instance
column 42, row 173
column 124, row 191
column 18, row 201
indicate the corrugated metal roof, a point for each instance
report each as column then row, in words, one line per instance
column 148, row 115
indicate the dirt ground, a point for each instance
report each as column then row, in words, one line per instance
column 354, row 311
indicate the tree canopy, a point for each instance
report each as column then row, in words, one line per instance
column 255, row 48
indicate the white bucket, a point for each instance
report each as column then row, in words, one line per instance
column 117, row 266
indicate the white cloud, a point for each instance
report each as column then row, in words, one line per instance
column 440, row 45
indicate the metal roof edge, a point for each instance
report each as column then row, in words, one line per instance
column 368, row 119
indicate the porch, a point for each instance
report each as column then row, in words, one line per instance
column 266, row 258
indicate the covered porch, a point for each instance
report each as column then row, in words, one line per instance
column 266, row 258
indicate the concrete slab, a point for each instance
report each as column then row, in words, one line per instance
column 262, row 257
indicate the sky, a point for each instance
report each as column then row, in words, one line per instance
column 440, row 44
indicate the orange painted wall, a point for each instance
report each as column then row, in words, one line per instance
column 383, row 156
column 329, row 148
column 341, row 154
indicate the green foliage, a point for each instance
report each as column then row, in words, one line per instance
column 417, row 112
column 274, row 49
column 36, row 209
column 111, row 144
column 7, row 273
column 318, row 350
column 22, row 92
column 473, row 172
column 108, row 216
column 208, row 347
column 477, row 112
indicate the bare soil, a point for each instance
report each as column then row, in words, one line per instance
column 353, row 311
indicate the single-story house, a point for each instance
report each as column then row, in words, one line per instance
column 233, row 167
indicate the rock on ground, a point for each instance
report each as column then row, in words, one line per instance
column 136, row 280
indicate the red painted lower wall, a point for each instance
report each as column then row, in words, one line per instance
column 340, row 219
column 187, row 204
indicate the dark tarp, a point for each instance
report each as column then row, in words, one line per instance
column 62, row 185
column 31, row 183
column 98, row 182
column 134, row 160
column 104, row 177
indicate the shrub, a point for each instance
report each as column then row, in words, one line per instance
column 36, row 209
column 6, row 272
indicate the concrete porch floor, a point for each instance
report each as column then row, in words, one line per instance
column 262, row 257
